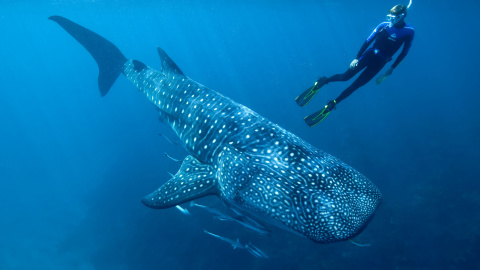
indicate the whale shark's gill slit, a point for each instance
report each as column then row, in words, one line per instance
column 109, row 59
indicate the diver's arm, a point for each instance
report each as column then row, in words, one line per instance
column 363, row 49
column 370, row 39
column 406, row 48
column 401, row 56
column 399, row 59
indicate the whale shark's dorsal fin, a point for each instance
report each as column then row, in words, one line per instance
column 168, row 66
column 192, row 181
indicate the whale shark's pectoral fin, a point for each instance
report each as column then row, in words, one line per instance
column 168, row 66
column 192, row 181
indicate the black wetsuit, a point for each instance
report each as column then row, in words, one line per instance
column 387, row 42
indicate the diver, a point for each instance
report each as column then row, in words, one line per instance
column 387, row 38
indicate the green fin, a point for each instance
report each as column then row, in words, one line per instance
column 314, row 119
column 192, row 181
column 381, row 78
column 307, row 95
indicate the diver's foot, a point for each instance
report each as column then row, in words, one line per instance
column 330, row 105
column 321, row 82
column 308, row 94
column 315, row 118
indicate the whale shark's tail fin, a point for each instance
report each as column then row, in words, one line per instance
column 108, row 57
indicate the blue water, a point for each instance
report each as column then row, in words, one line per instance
column 74, row 166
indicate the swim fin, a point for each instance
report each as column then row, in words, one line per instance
column 308, row 94
column 381, row 78
column 315, row 118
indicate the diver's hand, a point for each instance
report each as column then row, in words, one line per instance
column 382, row 78
column 389, row 72
column 354, row 64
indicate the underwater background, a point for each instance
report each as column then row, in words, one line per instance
column 74, row 166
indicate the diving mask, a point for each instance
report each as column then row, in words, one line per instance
column 394, row 19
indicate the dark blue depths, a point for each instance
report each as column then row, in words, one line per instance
column 75, row 166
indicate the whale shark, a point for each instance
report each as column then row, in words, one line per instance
column 254, row 166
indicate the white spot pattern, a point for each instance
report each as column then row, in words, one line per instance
column 255, row 163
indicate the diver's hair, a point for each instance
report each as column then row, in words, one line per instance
column 399, row 9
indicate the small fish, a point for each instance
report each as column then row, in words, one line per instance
column 166, row 138
column 174, row 159
column 183, row 210
column 242, row 220
column 209, row 209
column 359, row 244
column 246, row 222
column 255, row 251
column 235, row 244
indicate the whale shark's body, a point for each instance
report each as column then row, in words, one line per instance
column 256, row 167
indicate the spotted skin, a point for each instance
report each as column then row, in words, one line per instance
column 256, row 166
column 253, row 165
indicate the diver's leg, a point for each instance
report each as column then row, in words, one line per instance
column 344, row 76
column 304, row 98
column 373, row 66
column 347, row 75
column 317, row 117
column 370, row 72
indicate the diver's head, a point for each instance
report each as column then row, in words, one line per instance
column 397, row 15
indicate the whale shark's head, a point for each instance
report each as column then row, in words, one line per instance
column 341, row 208
column 311, row 194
